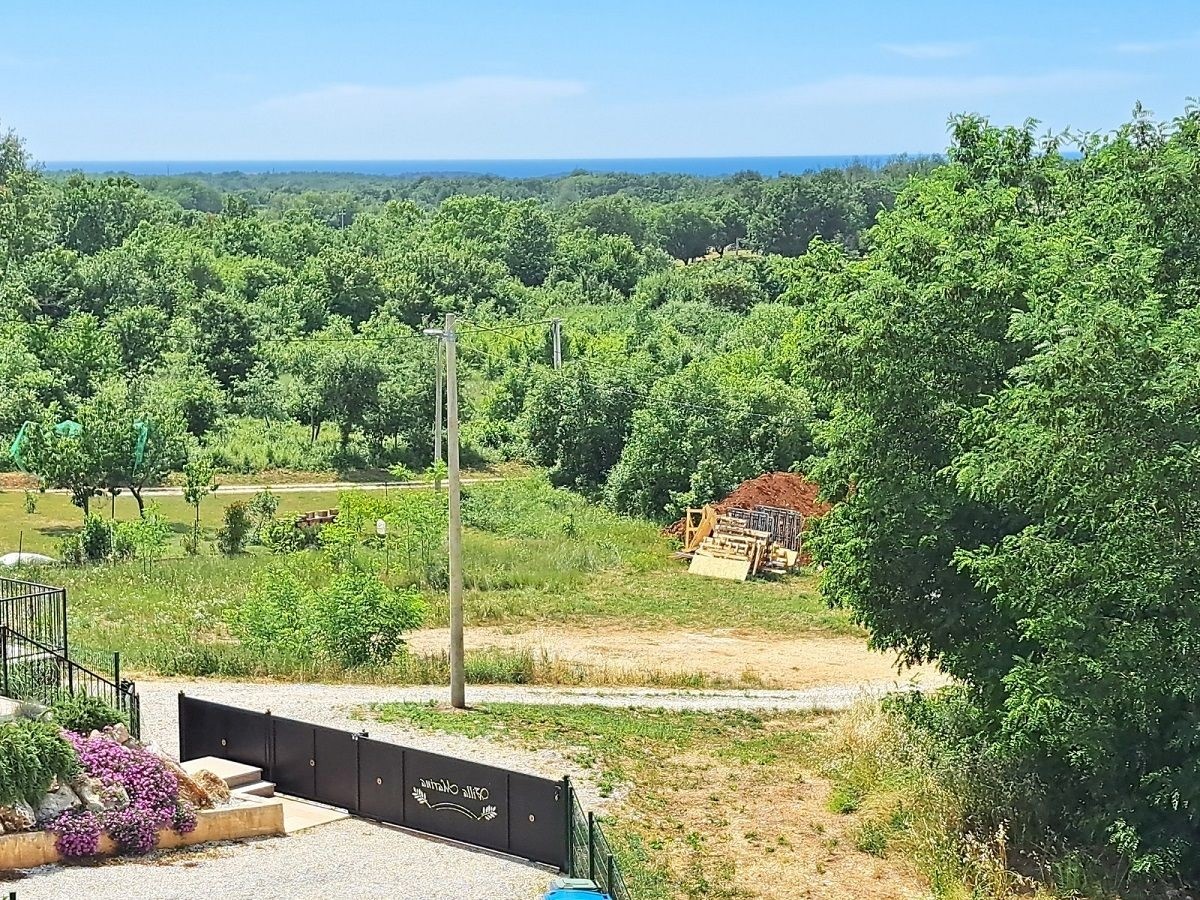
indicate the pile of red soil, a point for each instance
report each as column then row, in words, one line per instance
column 782, row 489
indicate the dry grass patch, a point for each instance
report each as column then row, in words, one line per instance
column 702, row 805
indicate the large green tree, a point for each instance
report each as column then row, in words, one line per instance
column 1010, row 380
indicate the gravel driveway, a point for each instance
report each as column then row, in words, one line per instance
column 346, row 859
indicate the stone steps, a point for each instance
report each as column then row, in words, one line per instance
column 257, row 788
column 238, row 777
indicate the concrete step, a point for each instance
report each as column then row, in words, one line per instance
column 257, row 788
column 234, row 774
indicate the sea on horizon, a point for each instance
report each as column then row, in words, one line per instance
column 714, row 166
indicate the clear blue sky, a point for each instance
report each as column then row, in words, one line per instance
column 369, row 79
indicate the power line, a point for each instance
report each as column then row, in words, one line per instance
column 645, row 397
column 516, row 326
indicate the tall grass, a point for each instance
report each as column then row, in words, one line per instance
column 953, row 820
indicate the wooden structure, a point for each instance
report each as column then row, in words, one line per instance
column 319, row 517
column 729, row 546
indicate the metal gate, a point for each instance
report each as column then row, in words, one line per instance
column 511, row 812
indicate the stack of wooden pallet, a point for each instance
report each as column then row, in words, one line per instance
column 726, row 546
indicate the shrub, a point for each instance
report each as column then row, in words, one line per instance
column 84, row 713
column 70, row 550
column 358, row 619
column 272, row 619
column 235, row 532
column 32, row 754
column 30, row 503
column 355, row 620
column 284, row 536
column 262, row 508
column 124, row 539
column 96, row 538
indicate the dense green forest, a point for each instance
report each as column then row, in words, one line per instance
column 991, row 366
column 274, row 321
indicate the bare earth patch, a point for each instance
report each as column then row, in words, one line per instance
column 739, row 657
column 776, row 829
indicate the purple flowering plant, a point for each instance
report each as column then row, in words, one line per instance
column 154, row 803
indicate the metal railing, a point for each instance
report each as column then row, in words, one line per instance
column 35, row 610
column 36, row 672
column 591, row 855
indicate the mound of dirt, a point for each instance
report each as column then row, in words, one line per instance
column 782, row 489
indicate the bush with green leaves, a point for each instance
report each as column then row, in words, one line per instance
column 358, row 619
column 416, row 532
column 32, row 755
column 283, row 535
column 1010, row 381
column 235, row 531
column 95, row 538
column 262, row 508
column 354, row 620
column 83, row 713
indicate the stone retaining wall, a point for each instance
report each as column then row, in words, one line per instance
column 244, row 819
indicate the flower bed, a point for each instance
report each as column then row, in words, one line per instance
column 107, row 793
column 240, row 820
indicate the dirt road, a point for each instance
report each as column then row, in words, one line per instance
column 615, row 654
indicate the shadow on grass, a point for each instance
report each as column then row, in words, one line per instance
column 58, row 530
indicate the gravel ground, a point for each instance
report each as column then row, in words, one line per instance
column 346, row 859
column 358, row 859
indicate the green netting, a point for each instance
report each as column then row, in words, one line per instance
column 18, row 445
column 139, row 450
column 71, row 429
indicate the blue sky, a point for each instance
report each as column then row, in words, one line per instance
column 366, row 79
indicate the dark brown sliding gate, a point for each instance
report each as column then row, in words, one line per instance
column 511, row 812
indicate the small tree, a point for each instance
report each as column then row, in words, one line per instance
column 67, row 458
column 199, row 476
column 235, row 532
column 150, row 535
column 262, row 509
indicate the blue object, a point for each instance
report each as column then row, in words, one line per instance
column 575, row 889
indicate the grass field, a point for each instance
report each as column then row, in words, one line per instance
column 738, row 805
column 542, row 556
column 701, row 805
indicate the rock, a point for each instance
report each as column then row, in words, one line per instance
column 18, row 817
column 55, row 803
column 188, row 788
column 214, row 785
column 98, row 798
column 192, row 791
column 119, row 733
column 115, row 797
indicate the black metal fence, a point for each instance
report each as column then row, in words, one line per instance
column 37, row 611
column 591, row 855
column 511, row 812
column 35, row 672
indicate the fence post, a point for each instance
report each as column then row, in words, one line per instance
column 4, row 653
column 591, row 845
column 569, row 818
column 182, row 731
column 611, row 877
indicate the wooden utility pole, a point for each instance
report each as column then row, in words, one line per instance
column 438, row 418
column 457, row 662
